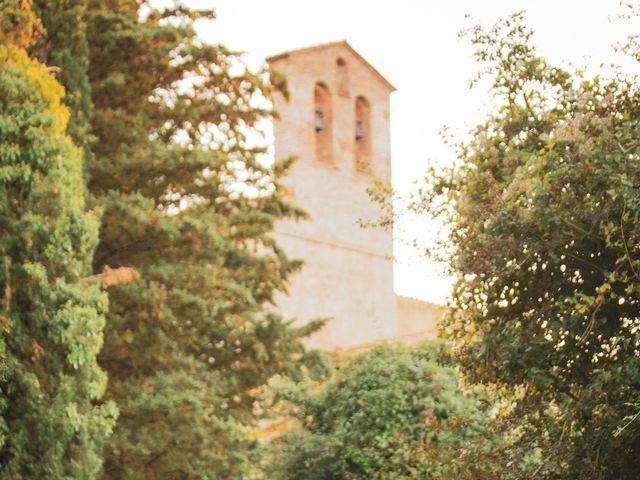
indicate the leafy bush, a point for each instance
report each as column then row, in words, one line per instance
column 391, row 413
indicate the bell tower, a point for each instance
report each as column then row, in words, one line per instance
column 337, row 124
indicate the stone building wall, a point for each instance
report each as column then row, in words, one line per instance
column 417, row 320
column 348, row 274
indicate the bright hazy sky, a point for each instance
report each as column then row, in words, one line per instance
column 415, row 44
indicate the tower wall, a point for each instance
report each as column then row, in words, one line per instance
column 348, row 275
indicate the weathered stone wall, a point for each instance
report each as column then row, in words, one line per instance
column 349, row 272
column 417, row 320
column 349, row 286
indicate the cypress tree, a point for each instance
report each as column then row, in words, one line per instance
column 52, row 420
column 65, row 50
column 189, row 344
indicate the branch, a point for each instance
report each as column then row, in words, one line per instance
column 115, row 276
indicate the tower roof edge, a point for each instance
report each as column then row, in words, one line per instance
column 321, row 46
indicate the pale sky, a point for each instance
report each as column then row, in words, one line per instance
column 415, row 44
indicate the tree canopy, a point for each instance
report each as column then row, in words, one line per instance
column 138, row 269
column 542, row 208
column 163, row 122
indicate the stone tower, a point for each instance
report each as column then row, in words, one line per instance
column 337, row 124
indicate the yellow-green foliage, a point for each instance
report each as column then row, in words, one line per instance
column 50, row 90
column 19, row 25
column 52, row 421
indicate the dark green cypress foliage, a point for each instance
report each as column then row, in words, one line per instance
column 187, row 346
column 52, row 421
column 65, row 50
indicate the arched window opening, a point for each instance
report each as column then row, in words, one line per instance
column 362, row 134
column 342, row 77
column 323, row 123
